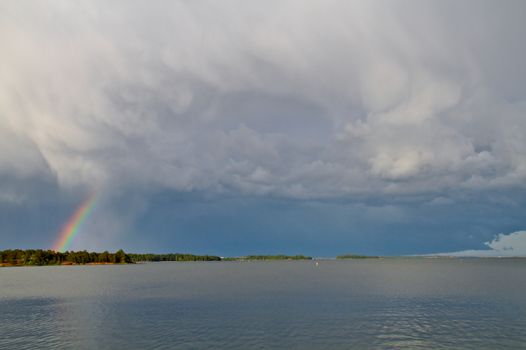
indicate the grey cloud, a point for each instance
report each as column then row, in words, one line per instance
column 285, row 98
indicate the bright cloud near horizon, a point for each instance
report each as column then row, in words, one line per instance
column 503, row 245
column 318, row 127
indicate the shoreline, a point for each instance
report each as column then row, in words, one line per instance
column 64, row 264
column 270, row 260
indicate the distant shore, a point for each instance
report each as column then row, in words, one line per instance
column 61, row 264
column 39, row 257
column 18, row 258
column 355, row 256
column 267, row 258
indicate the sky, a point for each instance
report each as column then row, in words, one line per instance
column 279, row 126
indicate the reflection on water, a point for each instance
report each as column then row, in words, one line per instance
column 377, row 304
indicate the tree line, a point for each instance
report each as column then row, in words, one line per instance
column 355, row 256
column 173, row 257
column 270, row 257
column 18, row 257
column 39, row 257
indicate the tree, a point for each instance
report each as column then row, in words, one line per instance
column 121, row 257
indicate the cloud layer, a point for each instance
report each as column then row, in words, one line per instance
column 405, row 118
column 301, row 100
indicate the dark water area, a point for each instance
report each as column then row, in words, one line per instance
column 357, row 304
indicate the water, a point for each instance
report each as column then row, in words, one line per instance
column 357, row 304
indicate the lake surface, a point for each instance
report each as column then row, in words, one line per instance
column 356, row 304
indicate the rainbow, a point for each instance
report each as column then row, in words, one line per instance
column 71, row 228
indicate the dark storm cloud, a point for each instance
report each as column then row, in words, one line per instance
column 370, row 101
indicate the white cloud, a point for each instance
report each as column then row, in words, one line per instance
column 347, row 98
column 503, row 245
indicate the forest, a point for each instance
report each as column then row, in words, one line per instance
column 172, row 257
column 39, row 257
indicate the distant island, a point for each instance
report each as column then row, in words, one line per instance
column 172, row 257
column 356, row 256
column 268, row 257
column 40, row 257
